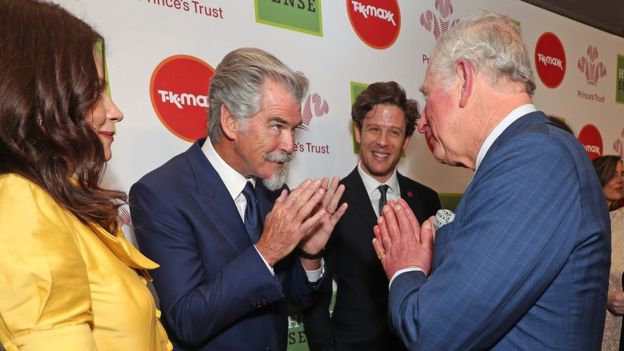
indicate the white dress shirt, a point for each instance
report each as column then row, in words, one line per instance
column 372, row 187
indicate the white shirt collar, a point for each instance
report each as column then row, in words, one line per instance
column 500, row 128
column 234, row 181
column 371, row 183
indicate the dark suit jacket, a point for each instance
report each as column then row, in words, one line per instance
column 360, row 318
column 525, row 263
column 215, row 291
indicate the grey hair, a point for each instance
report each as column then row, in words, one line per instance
column 492, row 43
column 237, row 84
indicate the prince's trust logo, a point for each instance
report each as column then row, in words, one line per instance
column 438, row 23
column 593, row 70
column 315, row 106
column 441, row 22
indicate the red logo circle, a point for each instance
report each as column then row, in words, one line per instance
column 179, row 94
column 590, row 138
column 376, row 22
column 550, row 60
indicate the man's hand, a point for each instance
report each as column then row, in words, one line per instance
column 399, row 240
column 316, row 239
column 292, row 218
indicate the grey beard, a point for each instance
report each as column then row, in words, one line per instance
column 279, row 178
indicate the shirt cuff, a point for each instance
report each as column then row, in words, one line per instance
column 404, row 270
column 316, row 275
column 265, row 262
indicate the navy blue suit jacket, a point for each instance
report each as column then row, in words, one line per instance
column 215, row 291
column 360, row 317
column 525, row 264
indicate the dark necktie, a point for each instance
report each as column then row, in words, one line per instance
column 252, row 214
column 383, row 189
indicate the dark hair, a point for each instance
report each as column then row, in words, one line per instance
column 605, row 168
column 48, row 84
column 390, row 93
column 560, row 123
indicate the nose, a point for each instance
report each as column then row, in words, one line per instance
column 113, row 112
column 383, row 138
column 288, row 141
column 422, row 123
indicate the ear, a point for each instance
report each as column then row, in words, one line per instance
column 465, row 72
column 229, row 124
column 358, row 136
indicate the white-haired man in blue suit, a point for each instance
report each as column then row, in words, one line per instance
column 525, row 263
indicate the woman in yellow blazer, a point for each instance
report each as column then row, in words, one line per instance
column 69, row 280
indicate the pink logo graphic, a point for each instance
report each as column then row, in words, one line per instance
column 315, row 106
column 438, row 25
column 593, row 70
column 618, row 144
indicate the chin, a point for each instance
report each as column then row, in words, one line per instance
column 275, row 181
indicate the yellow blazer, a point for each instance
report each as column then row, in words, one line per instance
column 64, row 286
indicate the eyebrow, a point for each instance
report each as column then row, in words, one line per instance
column 280, row 120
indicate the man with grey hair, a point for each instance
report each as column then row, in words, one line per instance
column 215, row 220
column 525, row 263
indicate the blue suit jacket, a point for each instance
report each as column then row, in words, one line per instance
column 215, row 291
column 525, row 264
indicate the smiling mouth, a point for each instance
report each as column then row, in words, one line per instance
column 107, row 134
column 381, row 156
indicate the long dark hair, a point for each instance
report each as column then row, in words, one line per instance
column 605, row 168
column 48, row 85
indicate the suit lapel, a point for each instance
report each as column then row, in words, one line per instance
column 215, row 201
column 356, row 196
column 410, row 196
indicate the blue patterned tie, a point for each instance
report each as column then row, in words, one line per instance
column 252, row 214
column 383, row 189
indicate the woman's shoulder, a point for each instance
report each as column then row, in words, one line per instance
column 20, row 197
column 12, row 184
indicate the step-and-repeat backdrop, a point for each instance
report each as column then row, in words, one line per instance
column 161, row 55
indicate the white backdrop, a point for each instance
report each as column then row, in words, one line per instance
column 141, row 33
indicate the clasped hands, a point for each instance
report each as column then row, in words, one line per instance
column 303, row 217
column 400, row 242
